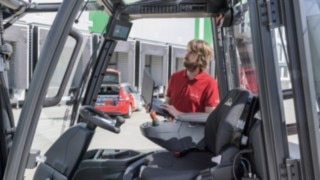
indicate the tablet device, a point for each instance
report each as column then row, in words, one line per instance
column 148, row 87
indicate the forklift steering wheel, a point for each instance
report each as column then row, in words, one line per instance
column 100, row 119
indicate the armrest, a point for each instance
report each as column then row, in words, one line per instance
column 193, row 117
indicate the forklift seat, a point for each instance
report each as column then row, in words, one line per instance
column 223, row 134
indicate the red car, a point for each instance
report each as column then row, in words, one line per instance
column 115, row 98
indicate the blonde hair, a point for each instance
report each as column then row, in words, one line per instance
column 203, row 50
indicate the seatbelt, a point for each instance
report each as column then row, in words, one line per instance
column 242, row 122
column 250, row 120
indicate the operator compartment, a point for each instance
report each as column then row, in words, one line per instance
column 110, row 164
column 183, row 133
column 101, row 163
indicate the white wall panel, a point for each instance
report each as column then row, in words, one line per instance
column 176, row 31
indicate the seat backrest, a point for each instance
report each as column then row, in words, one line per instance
column 225, row 124
column 64, row 155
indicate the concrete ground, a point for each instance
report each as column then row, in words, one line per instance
column 54, row 121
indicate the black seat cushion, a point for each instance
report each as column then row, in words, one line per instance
column 164, row 165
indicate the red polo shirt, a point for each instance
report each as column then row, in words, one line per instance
column 192, row 95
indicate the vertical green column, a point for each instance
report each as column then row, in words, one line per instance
column 207, row 30
column 99, row 21
column 203, row 29
column 196, row 28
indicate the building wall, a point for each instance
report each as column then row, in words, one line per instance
column 162, row 30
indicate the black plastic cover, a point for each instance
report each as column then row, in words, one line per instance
column 65, row 154
column 175, row 136
column 193, row 117
column 224, row 124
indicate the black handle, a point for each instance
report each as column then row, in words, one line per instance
column 100, row 119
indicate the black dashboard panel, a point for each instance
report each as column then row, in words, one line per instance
column 174, row 8
column 182, row 8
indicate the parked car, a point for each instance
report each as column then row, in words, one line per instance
column 136, row 95
column 116, row 98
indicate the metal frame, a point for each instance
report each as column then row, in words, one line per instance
column 31, row 110
column 271, row 107
column 137, row 64
column 33, row 55
column 99, row 68
column 221, row 68
column 13, row 4
column 232, row 69
column 54, row 7
column 303, row 88
column 77, row 99
column 6, row 125
column 51, row 101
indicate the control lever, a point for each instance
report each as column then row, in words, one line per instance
column 155, row 120
column 98, row 118
column 119, row 121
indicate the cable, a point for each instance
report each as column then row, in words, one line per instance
column 85, row 5
column 1, row 25
column 249, row 165
column 244, row 151
column 244, row 166
column 283, row 47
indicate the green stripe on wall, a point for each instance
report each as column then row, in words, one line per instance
column 207, row 34
column 207, row 30
column 99, row 21
column 196, row 28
